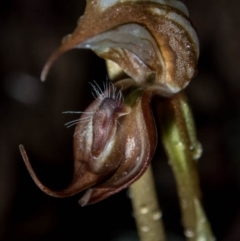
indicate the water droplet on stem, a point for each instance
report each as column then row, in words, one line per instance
column 145, row 228
column 189, row 233
column 156, row 215
column 144, row 210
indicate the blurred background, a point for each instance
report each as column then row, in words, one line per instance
column 31, row 114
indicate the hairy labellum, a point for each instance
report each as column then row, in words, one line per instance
column 104, row 119
column 104, row 125
column 96, row 137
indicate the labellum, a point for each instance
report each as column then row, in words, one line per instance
column 154, row 43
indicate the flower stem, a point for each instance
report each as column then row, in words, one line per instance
column 182, row 148
column 147, row 213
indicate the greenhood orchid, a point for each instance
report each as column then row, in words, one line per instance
column 156, row 47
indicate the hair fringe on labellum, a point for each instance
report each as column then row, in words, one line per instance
column 109, row 91
column 108, row 94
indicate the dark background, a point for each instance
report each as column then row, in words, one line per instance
column 31, row 113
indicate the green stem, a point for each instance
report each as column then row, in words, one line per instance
column 182, row 147
column 147, row 213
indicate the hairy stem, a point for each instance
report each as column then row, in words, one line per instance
column 182, row 147
column 147, row 213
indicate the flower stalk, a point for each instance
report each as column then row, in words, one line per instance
column 182, row 148
column 147, row 212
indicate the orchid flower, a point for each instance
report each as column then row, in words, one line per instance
column 154, row 45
